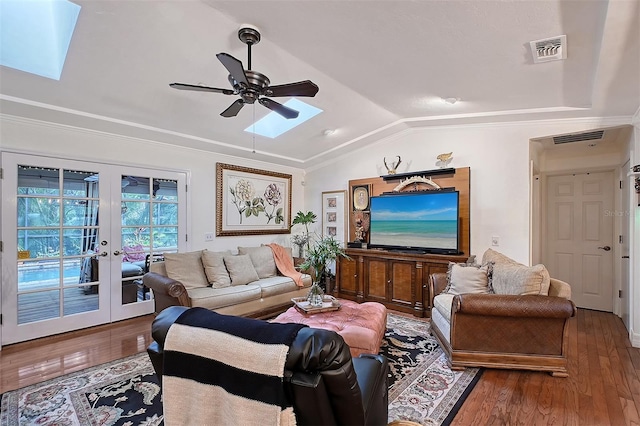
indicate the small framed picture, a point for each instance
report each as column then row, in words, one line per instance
column 334, row 214
column 360, row 197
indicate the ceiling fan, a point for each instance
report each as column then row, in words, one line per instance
column 251, row 85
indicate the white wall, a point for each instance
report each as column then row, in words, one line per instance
column 66, row 142
column 498, row 155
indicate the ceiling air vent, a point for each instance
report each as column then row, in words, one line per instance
column 550, row 49
column 579, row 137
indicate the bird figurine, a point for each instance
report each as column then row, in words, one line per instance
column 444, row 159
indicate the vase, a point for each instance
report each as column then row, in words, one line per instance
column 315, row 295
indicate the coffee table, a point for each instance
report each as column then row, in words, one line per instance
column 361, row 325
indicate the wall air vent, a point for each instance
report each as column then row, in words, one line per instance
column 579, row 137
column 550, row 49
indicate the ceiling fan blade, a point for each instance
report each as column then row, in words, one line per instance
column 233, row 109
column 284, row 111
column 301, row 88
column 234, row 66
column 182, row 86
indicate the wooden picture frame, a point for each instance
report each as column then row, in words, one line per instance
column 334, row 213
column 252, row 201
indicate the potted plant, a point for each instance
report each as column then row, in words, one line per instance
column 318, row 257
column 305, row 219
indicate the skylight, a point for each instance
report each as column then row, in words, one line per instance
column 273, row 124
column 35, row 35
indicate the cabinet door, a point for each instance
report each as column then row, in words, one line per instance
column 376, row 279
column 402, row 278
column 347, row 276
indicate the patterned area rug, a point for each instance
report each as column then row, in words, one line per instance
column 126, row 392
column 422, row 387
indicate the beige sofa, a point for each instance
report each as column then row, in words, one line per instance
column 501, row 314
column 246, row 284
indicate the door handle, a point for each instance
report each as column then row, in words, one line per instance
column 605, row 248
column 104, row 254
column 117, row 253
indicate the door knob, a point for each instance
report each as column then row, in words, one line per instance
column 605, row 248
column 117, row 253
column 104, row 254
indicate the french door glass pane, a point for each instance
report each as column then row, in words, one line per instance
column 57, row 222
column 38, row 306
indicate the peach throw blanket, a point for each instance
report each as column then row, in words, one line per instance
column 284, row 263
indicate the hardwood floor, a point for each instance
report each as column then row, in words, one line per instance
column 603, row 387
column 23, row 364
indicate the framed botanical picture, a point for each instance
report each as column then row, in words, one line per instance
column 251, row 201
column 334, row 214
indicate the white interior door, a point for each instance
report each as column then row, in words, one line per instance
column 75, row 239
column 579, row 237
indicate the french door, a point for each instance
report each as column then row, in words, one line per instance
column 76, row 239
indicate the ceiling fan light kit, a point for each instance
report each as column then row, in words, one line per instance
column 252, row 85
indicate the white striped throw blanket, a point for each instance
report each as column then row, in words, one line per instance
column 226, row 370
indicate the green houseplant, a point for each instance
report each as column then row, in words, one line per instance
column 318, row 257
column 305, row 219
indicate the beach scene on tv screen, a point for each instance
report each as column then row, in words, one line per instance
column 429, row 221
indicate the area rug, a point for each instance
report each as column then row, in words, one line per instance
column 126, row 392
column 422, row 388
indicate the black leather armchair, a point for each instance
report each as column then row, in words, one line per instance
column 325, row 384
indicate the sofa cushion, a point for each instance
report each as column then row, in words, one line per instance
column 262, row 260
column 511, row 277
column 214, row 269
column 214, row 298
column 186, row 268
column 240, row 269
column 279, row 284
column 468, row 278
column 520, row 280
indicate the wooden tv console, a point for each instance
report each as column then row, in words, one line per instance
column 397, row 280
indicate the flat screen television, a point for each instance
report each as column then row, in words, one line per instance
column 423, row 222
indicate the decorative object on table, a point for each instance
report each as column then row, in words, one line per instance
column 444, row 159
column 362, row 220
column 334, row 211
column 394, row 165
column 303, row 219
column 251, row 85
column 251, row 201
column 327, row 303
column 360, row 196
column 322, row 252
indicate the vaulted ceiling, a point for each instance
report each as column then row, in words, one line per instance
column 382, row 67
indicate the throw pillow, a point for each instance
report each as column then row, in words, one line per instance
column 496, row 257
column 240, row 269
column 513, row 278
column 262, row 260
column 214, row 268
column 465, row 278
column 133, row 253
column 186, row 268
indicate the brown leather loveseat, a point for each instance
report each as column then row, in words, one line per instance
column 514, row 331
